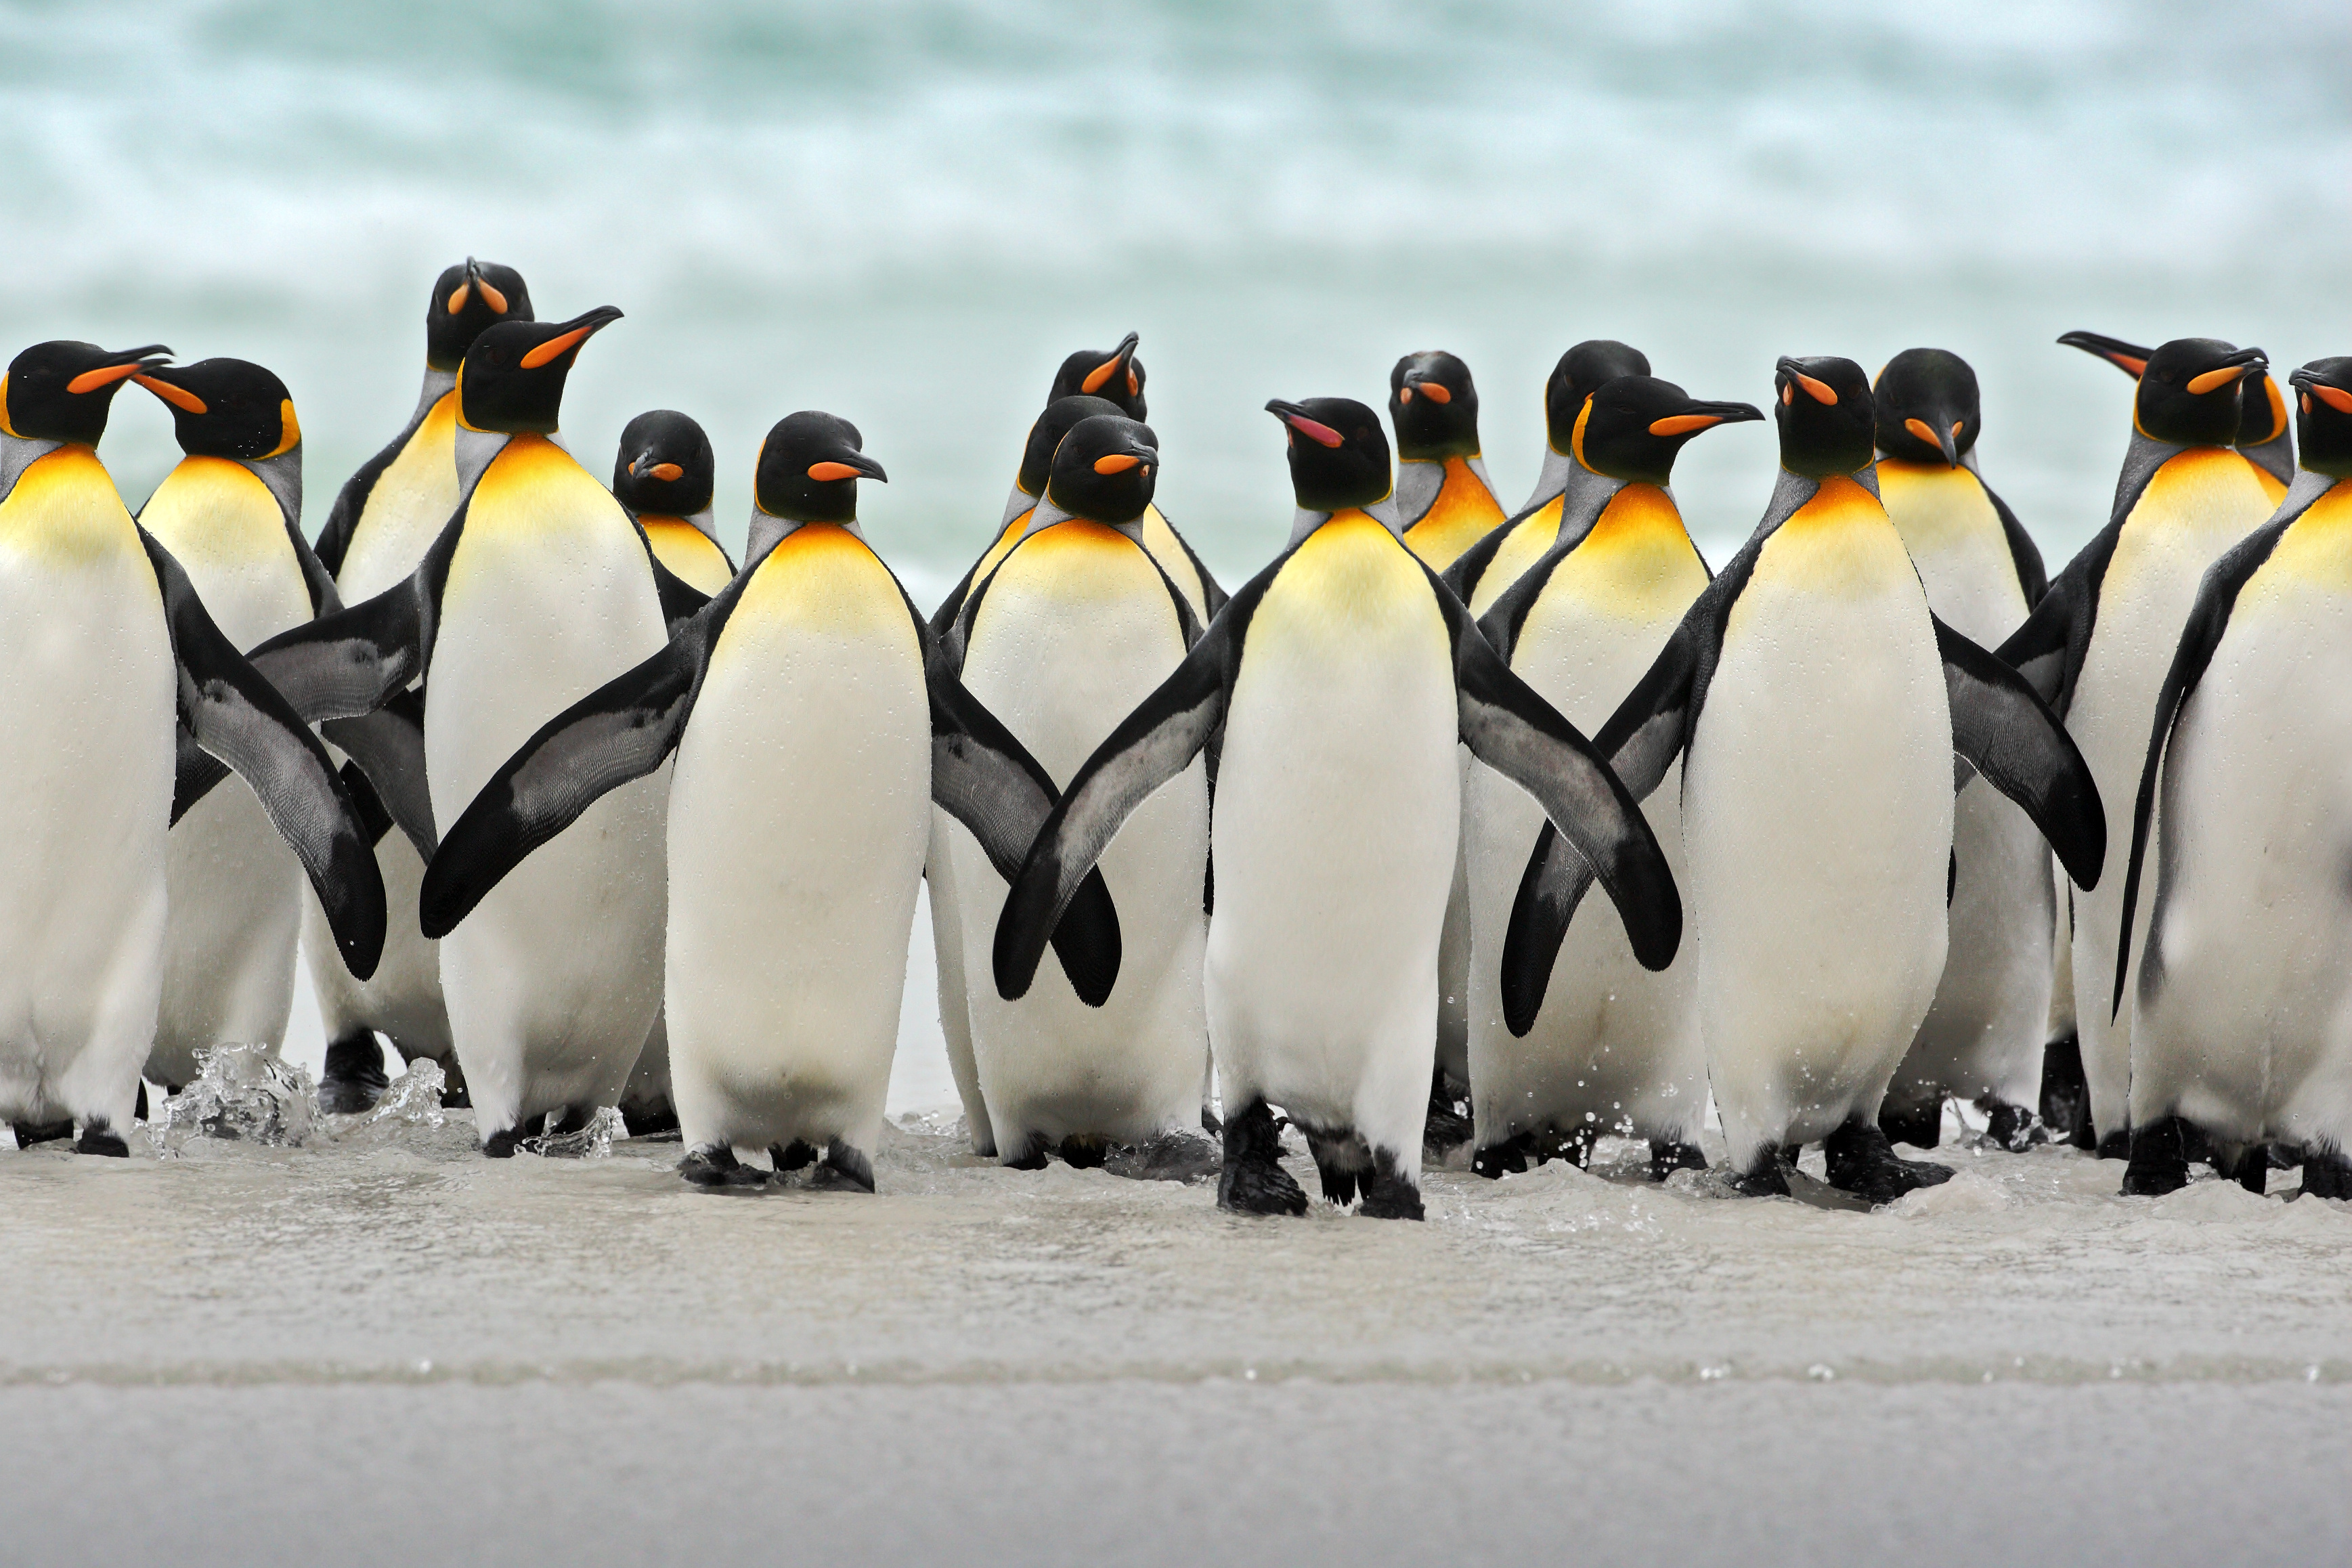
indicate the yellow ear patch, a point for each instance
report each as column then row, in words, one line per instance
column 289, row 429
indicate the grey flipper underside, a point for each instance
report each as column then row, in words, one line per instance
column 2001, row 728
column 2209, row 619
column 387, row 744
column 231, row 711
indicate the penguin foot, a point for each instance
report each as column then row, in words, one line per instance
column 2014, row 1126
column 1666, row 1157
column 2159, row 1160
column 715, row 1165
column 1768, row 1177
column 2197, row 1145
column 502, row 1145
column 354, row 1079
column 1388, row 1193
column 655, row 1121
column 30, row 1132
column 797, row 1156
column 1448, row 1124
column 1173, row 1156
column 844, row 1170
column 2327, row 1173
column 2116, row 1145
column 2250, row 1166
column 1084, row 1152
column 1861, row 1160
column 1031, row 1156
column 99, row 1138
column 1921, row 1125
column 1509, row 1158
column 1253, row 1180
column 1341, row 1161
column 2065, row 1092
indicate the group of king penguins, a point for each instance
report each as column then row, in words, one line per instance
column 552, row 793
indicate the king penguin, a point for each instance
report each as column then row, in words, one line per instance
column 813, row 725
column 2096, row 646
column 1615, row 1048
column 1819, row 705
column 663, row 477
column 1341, row 679
column 1983, row 1036
column 231, row 515
column 1480, row 574
column 385, row 517
column 107, row 644
column 2249, row 933
column 537, row 592
column 1446, row 503
column 1076, row 627
column 2264, row 435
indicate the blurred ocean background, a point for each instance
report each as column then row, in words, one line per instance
column 907, row 213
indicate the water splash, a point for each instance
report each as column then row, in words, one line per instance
column 594, row 1141
column 242, row 1093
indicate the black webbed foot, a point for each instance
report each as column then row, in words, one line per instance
column 1337, row 1162
column 1667, row 1157
column 31, row 1132
column 2159, row 1159
column 797, row 1156
column 2014, row 1126
column 1389, row 1193
column 1031, row 1156
column 2327, row 1173
column 1768, row 1175
column 98, row 1138
column 502, row 1145
column 1861, row 1160
column 715, row 1165
column 354, row 1078
column 842, row 1170
column 1084, row 1152
column 1919, row 1125
column 1509, row 1158
column 1253, row 1180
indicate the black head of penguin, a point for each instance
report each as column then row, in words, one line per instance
column 1433, row 405
column 1927, row 407
column 1634, row 426
column 1339, row 457
column 512, row 380
column 1827, row 423
column 1113, row 373
column 664, row 466
column 2323, row 406
column 1580, row 373
column 466, row 299
column 2188, row 392
column 227, row 408
column 809, row 469
column 1061, row 417
column 2262, row 409
column 1105, row 469
column 61, row 391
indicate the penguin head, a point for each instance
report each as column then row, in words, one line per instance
column 1926, row 406
column 2261, row 408
column 2323, row 408
column 1339, row 457
column 1827, row 422
column 1434, row 406
column 664, row 466
column 1580, row 373
column 61, row 391
column 512, row 379
column 227, row 408
column 466, row 299
column 2189, row 388
column 1634, row 427
column 1113, row 373
column 809, row 469
column 1105, row 469
column 1060, row 417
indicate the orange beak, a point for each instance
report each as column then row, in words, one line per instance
column 177, row 396
column 106, row 376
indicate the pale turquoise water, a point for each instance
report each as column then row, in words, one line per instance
column 907, row 213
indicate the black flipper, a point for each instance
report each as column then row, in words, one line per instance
column 1509, row 726
column 2048, row 649
column 1150, row 746
column 388, row 746
column 618, row 732
column 234, row 713
column 2024, row 554
column 360, row 659
column 681, row 601
column 2001, row 725
column 2217, row 596
column 344, row 518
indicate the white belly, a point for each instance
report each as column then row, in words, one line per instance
column 1984, row 1032
column 554, row 980
column 86, row 724
column 798, row 822
column 2251, row 921
column 1076, row 629
column 1338, row 817
column 1817, row 817
column 236, row 891
column 2197, row 505
column 1615, row 1048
